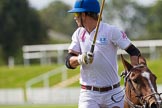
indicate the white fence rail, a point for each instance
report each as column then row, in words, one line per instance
column 53, row 96
column 43, row 96
column 46, row 52
column 146, row 47
column 45, row 77
column 12, row 96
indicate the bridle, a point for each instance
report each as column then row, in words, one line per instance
column 141, row 98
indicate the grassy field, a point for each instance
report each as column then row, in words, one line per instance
column 38, row 106
column 18, row 76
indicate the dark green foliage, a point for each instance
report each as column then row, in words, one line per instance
column 19, row 25
column 154, row 25
column 139, row 22
column 58, row 19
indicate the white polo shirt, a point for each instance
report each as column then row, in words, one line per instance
column 104, row 69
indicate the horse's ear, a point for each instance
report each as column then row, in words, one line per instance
column 142, row 60
column 126, row 65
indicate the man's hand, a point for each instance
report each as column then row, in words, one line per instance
column 85, row 58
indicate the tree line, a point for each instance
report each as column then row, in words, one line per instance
column 21, row 24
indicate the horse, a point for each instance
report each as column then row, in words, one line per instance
column 140, row 86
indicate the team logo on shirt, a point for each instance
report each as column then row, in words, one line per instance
column 102, row 40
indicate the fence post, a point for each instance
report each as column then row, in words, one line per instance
column 11, row 62
column 60, row 56
column 153, row 52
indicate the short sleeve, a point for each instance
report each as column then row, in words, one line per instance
column 75, row 45
column 120, row 38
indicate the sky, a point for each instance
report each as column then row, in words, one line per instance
column 39, row 4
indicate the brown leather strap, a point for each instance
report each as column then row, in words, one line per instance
column 104, row 89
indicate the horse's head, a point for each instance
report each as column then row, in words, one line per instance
column 140, row 85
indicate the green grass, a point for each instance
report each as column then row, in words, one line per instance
column 38, row 106
column 156, row 68
column 153, row 65
column 17, row 77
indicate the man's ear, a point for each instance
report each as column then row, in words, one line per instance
column 83, row 15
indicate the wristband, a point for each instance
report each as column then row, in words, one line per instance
column 80, row 59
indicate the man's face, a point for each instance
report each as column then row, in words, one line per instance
column 77, row 18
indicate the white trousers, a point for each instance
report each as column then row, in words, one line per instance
column 95, row 99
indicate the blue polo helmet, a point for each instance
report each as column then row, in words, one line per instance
column 86, row 6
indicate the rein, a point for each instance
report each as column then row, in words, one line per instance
column 138, row 96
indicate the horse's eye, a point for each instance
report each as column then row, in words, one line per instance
column 136, row 81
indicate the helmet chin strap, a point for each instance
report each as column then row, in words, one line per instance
column 81, row 22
